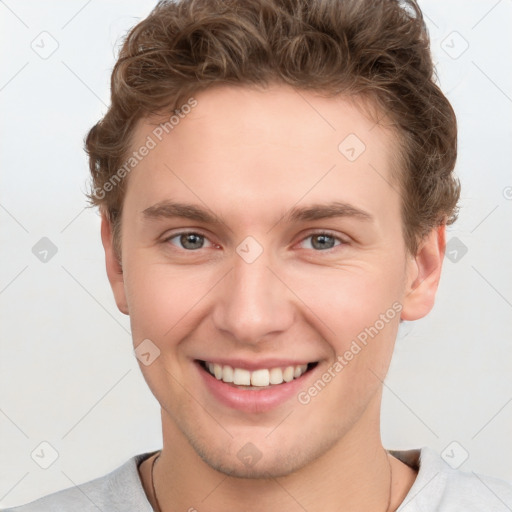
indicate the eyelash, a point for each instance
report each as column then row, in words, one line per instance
column 316, row 233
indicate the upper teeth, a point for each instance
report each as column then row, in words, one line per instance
column 262, row 377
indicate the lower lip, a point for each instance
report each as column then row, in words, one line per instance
column 253, row 400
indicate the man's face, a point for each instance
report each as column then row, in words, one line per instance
column 262, row 288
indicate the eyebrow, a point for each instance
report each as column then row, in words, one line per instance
column 171, row 209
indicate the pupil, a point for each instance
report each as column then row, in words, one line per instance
column 191, row 238
column 322, row 241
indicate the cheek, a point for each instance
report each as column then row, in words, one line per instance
column 162, row 299
column 166, row 300
column 345, row 301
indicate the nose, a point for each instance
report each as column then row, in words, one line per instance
column 253, row 303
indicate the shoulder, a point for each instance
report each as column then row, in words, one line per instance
column 119, row 490
column 440, row 487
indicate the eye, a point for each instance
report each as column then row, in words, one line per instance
column 188, row 240
column 193, row 241
column 323, row 241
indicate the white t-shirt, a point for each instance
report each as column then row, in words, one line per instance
column 437, row 488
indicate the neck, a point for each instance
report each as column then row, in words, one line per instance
column 352, row 475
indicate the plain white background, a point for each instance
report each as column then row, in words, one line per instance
column 68, row 375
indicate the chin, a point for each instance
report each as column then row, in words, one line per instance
column 262, row 469
column 273, row 458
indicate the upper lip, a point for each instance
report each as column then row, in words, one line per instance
column 254, row 364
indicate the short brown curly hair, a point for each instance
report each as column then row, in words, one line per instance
column 378, row 50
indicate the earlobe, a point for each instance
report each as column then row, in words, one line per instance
column 113, row 266
column 424, row 273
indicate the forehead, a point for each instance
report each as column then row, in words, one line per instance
column 247, row 149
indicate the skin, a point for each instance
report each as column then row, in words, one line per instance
column 250, row 155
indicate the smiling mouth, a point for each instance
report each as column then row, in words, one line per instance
column 263, row 378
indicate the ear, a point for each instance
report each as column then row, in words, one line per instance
column 424, row 272
column 114, row 268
